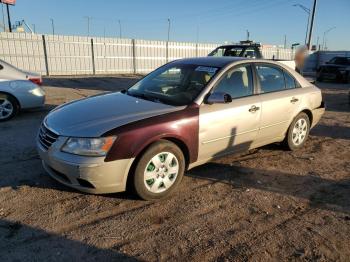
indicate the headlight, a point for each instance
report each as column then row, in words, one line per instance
column 37, row 91
column 88, row 146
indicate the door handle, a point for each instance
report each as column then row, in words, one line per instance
column 294, row 100
column 254, row 109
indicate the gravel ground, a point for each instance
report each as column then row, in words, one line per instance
column 265, row 205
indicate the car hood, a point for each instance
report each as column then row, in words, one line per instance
column 94, row 116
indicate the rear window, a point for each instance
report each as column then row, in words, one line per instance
column 290, row 81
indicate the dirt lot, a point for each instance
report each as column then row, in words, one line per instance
column 269, row 204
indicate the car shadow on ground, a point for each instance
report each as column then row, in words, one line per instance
column 335, row 131
column 19, row 242
column 321, row 193
column 102, row 83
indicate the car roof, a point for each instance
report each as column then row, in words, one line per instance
column 210, row 60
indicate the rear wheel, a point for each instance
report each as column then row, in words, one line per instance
column 319, row 76
column 159, row 170
column 8, row 107
column 298, row 132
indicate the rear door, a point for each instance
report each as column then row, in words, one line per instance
column 280, row 101
column 230, row 127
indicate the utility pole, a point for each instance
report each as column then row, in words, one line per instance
column 311, row 25
column 8, row 18
column 120, row 28
column 52, row 26
column 33, row 25
column 285, row 41
column 307, row 10
column 248, row 35
column 88, row 24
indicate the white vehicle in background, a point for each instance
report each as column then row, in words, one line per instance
column 18, row 90
column 247, row 49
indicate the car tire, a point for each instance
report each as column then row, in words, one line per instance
column 298, row 132
column 319, row 77
column 9, row 107
column 159, row 171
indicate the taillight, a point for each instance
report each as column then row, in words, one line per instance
column 37, row 80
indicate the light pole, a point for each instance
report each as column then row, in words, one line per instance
column 167, row 42
column 8, row 18
column 324, row 44
column 168, row 29
column 3, row 16
column 120, row 28
column 52, row 26
column 307, row 10
column 88, row 24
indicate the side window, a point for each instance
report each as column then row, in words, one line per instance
column 237, row 82
column 290, row 81
column 250, row 52
column 218, row 52
column 271, row 78
column 235, row 51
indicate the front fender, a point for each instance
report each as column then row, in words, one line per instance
column 132, row 138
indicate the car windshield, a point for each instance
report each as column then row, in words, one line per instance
column 340, row 61
column 176, row 85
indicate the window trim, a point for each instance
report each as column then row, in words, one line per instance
column 233, row 68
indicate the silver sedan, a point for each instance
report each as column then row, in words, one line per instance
column 18, row 90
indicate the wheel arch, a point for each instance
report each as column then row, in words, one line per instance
column 14, row 97
column 308, row 112
column 177, row 141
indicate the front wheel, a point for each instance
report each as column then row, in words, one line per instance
column 159, row 170
column 298, row 132
column 8, row 107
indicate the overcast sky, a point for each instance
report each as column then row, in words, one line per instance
column 211, row 21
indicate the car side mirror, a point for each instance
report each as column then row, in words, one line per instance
column 219, row 98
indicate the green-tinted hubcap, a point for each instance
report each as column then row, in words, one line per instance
column 161, row 172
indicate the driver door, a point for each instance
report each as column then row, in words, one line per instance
column 230, row 127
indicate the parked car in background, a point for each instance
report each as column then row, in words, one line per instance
column 18, row 90
column 247, row 49
column 337, row 69
column 181, row 115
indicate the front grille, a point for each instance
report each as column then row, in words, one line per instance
column 46, row 137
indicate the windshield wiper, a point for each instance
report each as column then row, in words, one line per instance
column 144, row 97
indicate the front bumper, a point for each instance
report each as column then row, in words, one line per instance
column 87, row 174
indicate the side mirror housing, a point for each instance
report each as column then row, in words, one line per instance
column 219, row 98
